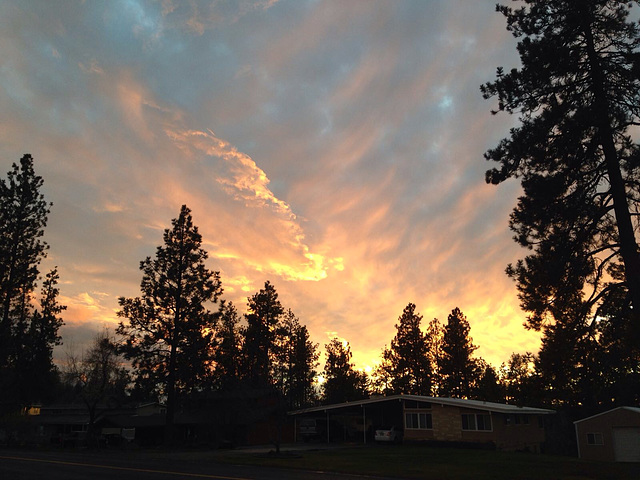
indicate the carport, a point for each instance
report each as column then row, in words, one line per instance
column 351, row 421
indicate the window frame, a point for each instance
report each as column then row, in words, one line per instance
column 595, row 436
column 475, row 423
column 426, row 425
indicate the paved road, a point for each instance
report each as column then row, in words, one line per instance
column 28, row 465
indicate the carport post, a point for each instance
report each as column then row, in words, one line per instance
column 364, row 424
column 328, row 433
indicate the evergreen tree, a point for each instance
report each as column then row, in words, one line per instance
column 433, row 336
column 458, row 369
column 296, row 362
column 518, row 378
column 342, row 383
column 260, row 335
column 169, row 331
column 23, row 218
column 618, row 360
column 406, row 367
column 28, row 332
column 488, row 388
column 578, row 97
column 36, row 374
column 227, row 354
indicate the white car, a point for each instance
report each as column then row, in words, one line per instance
column 388, row 434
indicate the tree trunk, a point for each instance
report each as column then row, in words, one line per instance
column 628, row 243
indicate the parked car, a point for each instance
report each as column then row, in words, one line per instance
column 390, row 434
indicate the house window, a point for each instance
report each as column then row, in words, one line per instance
column 595, row 439
column 418, row 421
column 476, row 421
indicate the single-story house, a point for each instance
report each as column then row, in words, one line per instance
column 610, row 436
column 427, row 419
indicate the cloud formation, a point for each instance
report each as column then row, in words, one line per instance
column 346, row 164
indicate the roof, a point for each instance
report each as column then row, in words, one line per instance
column 456, row 402
column 631, row 409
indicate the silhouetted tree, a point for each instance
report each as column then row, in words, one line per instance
column 342, row 383
column 169, row 331
column 227, row 355
column 33, row 344
column 260, row 335
column 488, row 387
column 577, row 95
column 296, row 362
column 434, row 336
column 23, row 218
column 618, row 360
column 518, row 378
column 405, row 366
column 28, row 333
column 97, row 378
column 458, row 369
column 566, row 365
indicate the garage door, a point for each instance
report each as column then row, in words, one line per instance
column 626, row 444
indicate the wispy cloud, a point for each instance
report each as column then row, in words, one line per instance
column 346, row 164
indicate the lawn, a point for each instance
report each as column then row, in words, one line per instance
column 416, row 461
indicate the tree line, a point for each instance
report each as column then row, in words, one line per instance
column 575, row 151
column 180, row 338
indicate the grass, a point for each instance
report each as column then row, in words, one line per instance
column 416, row 461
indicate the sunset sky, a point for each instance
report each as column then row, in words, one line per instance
column 334, row 148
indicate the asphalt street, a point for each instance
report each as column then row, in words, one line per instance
column 59, row 465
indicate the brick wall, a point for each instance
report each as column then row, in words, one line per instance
column 447, row 423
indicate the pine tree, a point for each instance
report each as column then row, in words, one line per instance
column 577, row 95
column 342, row 382
column 34, row 342
column 169, row 331
column 433, row 336
column 458, row 369
column 23, row 218
column 489, row 387
column 260, row 335
column 406, row 367
column 296, row 362
column 227, row 355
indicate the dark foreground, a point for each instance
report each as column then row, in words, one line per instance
column 371, row 462
column 70, row 465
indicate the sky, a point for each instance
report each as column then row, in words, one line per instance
column 333, row 148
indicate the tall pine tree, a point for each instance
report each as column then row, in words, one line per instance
column 168, row 332
column 406, row 366
column 296, row 362
column 23, row 218
column 577, row 95
column 260, row 335
column 342, row 382
column 28, row 333
column 459, row 371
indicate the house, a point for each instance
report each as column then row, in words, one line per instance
column 611, row 436
column 430, row 419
